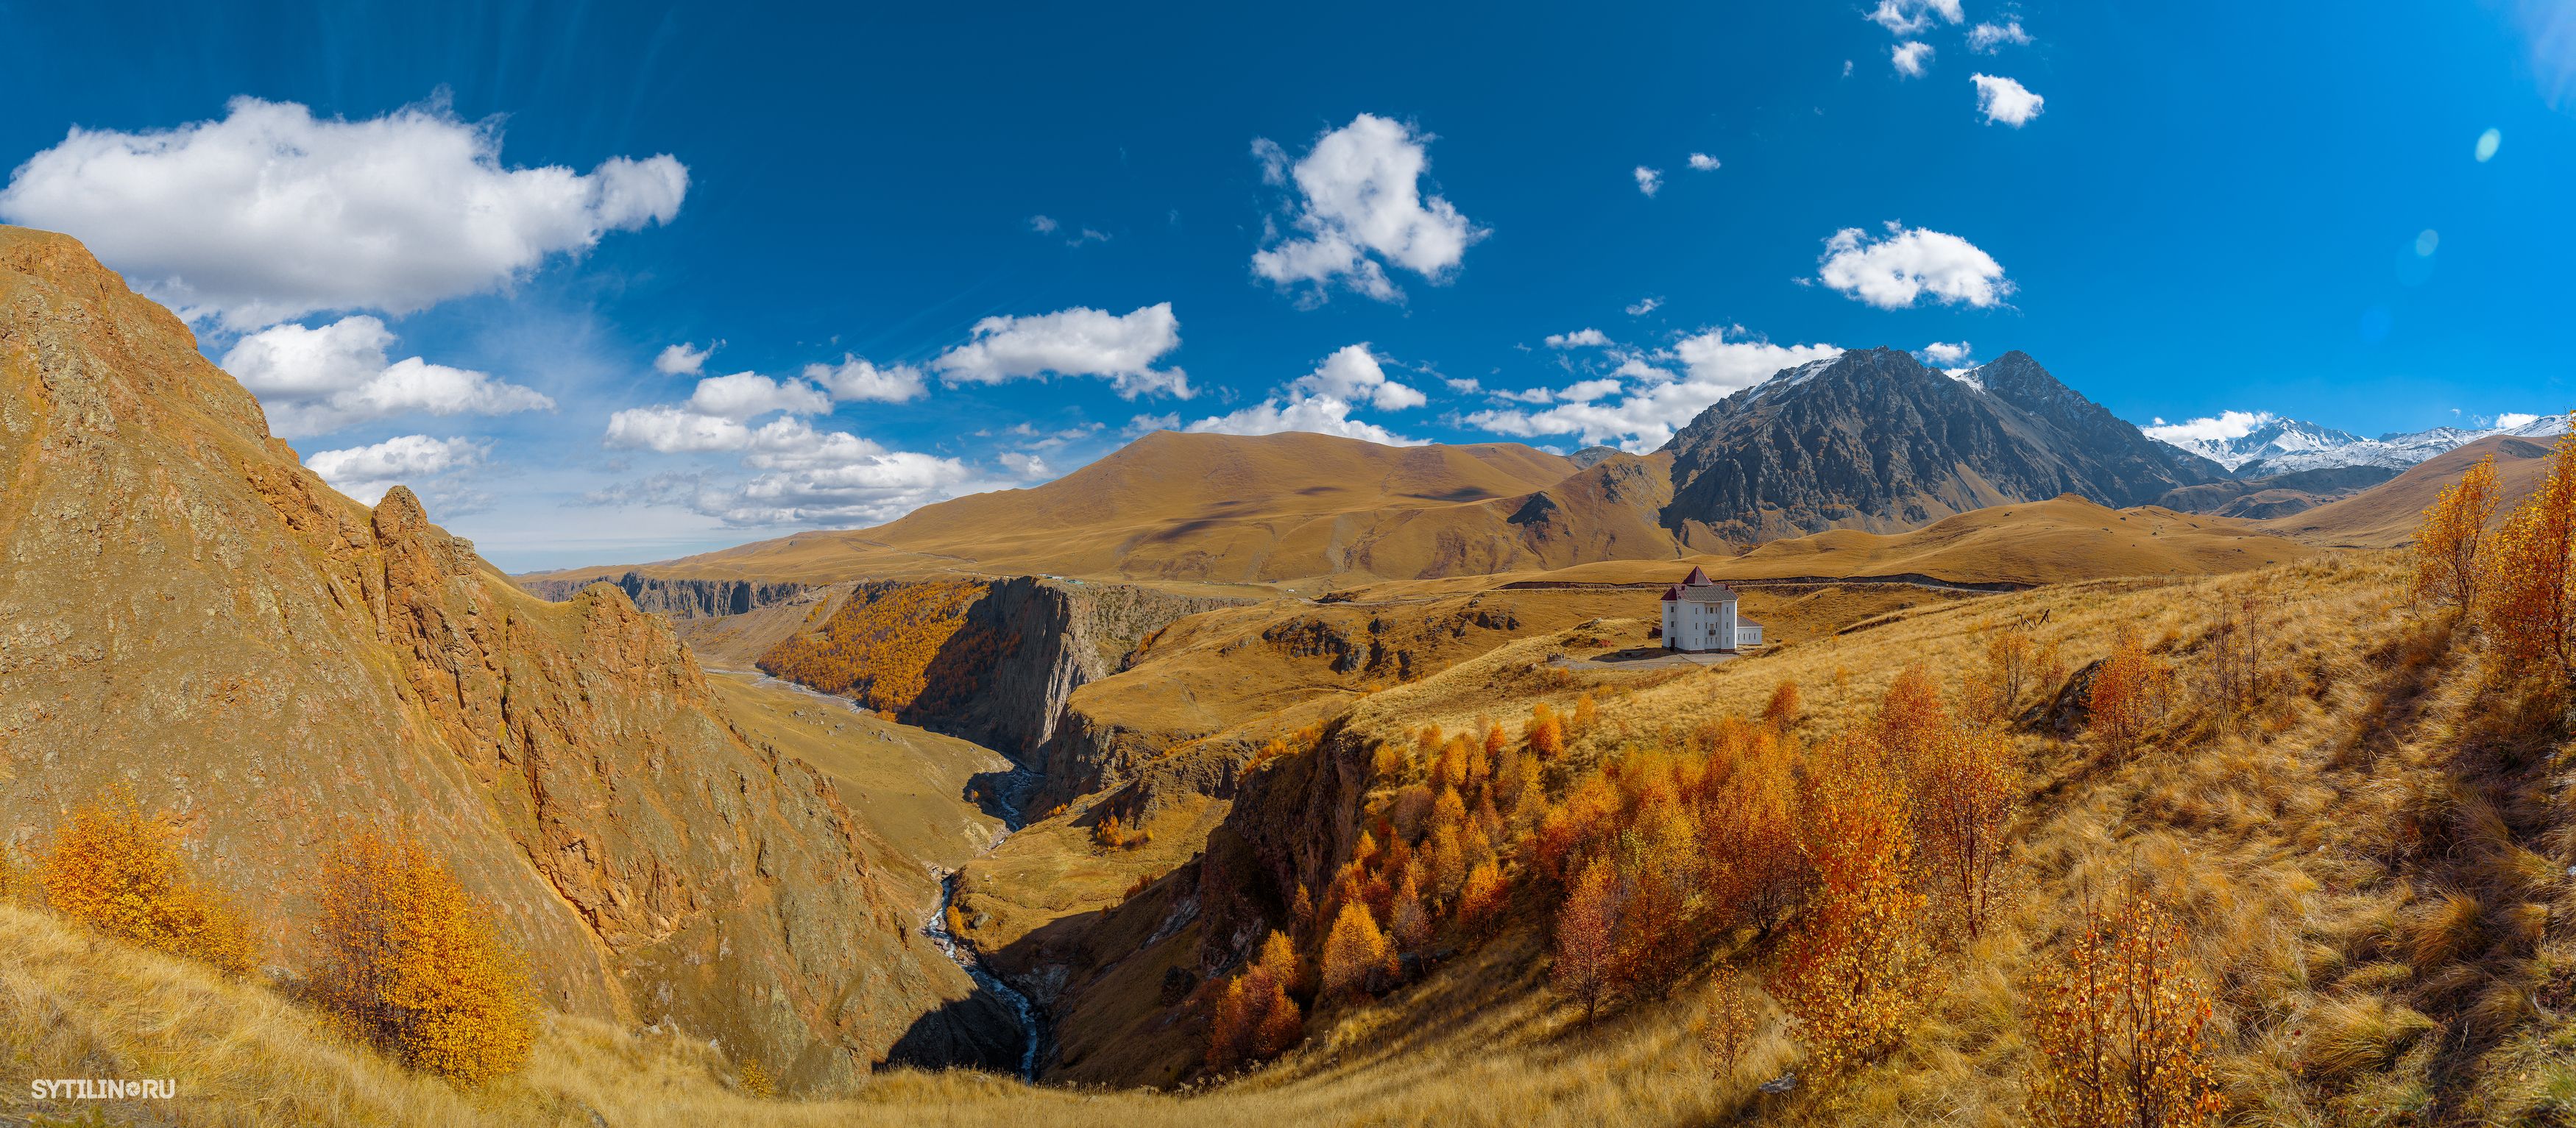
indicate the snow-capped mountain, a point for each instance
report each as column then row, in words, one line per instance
column 2285, row 446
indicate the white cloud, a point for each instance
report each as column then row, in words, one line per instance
column 365, row 473
column 1588, row 390
column 1042, row 225
column 1463, row 385
column 857, row 379
column 1714, row 365
column 1891, row 273
column 1907, row 17
column 1944, row 354
column 1142, row 424
column 1361, row 207
column 271, row 213
column 1353, row 374
column 1023, row 464
column 682, row 360
column 1073, row 342
column 1580, row 338
column 1910, row 57
column 1649, row 180
column 744, row 395
column 2224, row 425
column 2512, row 419
column 315, row 381
column 671, row 429
column 1321, row 401
column 1702, row 162
column 1989, row 38
column 1086, row 235
column 2004, row 100
column 1323, row 415
column 1645, row 306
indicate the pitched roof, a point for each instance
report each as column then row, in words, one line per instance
column 1741, row 621
column 1672, row 593
column 1696, row 578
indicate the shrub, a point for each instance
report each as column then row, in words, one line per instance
column 1546, row 733
column 1782, row 711
column 408, row 961
column 1587, row 934
column 2524, row 602
column 2120, row 1036
column 2122, row 690
column 755, row 1081
column 1964, row 790
column 1726, row 1029
column 117, row 870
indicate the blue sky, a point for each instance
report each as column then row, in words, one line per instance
column 449, row 244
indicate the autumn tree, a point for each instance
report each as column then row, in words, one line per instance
column 1482, row 899
column 1964, row 790
column 1587, row 936
column 1911, row 717
column 1355, row 953
column 2010, row 668
column 117, row 870
column 2453, row 530
column 407, row 960
column 1546, row 733
column 1782, row 711
column 2123, row 685
column 1752, row 839
column 2119, row 1037
column 1855, row 971
column 1726, row 1028
column 1410, row 923
column 2523, row 598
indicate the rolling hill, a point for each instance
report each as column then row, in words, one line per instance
column 2385, row 515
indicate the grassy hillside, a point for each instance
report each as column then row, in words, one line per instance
column 2385, row 515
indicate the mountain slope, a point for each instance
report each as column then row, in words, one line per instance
column 2385, row 516
column 1874, row 440
column 188, row 611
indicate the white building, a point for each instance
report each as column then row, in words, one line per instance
column 1700, row 615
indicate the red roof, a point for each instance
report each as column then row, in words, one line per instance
column 1697, row 578
column 1672, row 593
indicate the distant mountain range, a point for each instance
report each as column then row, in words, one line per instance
column 2289, row 446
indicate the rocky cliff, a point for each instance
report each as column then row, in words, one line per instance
column 680, row 598
column 186, row 610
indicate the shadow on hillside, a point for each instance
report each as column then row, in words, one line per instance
column 976, row 1032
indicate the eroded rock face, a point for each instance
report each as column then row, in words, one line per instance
column 683, row 598
column 186, row 610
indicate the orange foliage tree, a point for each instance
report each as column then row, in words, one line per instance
column 1546, row 733
column 2120, row 1036
column 1752, row 838
column 1856, row 969
column 1482, row 899
column 406, row 959
column 2448, row 540
column 2524, row 601
column 879, row 648
column 2012, row 665
column 1253, row 1017
column 1781, row 712
column 1355, row 953
column 1911, row 717
column 1726, row 1029
column 1964, row 790
column 117, row 870
column 1587, row 935
column 2122, row 700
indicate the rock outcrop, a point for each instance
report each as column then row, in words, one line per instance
column 683, row 598
column 187, row 611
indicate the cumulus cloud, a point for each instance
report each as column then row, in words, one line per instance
column 1713, row 365
column 1353, row 374
column 2210, row 428
column 855, row 378
column 1360, row 209
column 1703, row 162
column 671, row 429
column 1023, row 464
column 2004, row 100
column 1986, row 38
column 1908, row 17
column 1042, row 225
column 2512, row 419
column 1581, row 338
column 1321, row 401
column 1910, row 263
column 682, row 360
column 272, row 213
column 1644, row 306
column 365, row 473
column 807, row 477
column 1649, row 180
column 319, row 380
column 744, row 395
column 1911, row 58
column 1120, row 348
column 1944, row 354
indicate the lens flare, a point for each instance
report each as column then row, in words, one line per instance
column 2487, row 143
